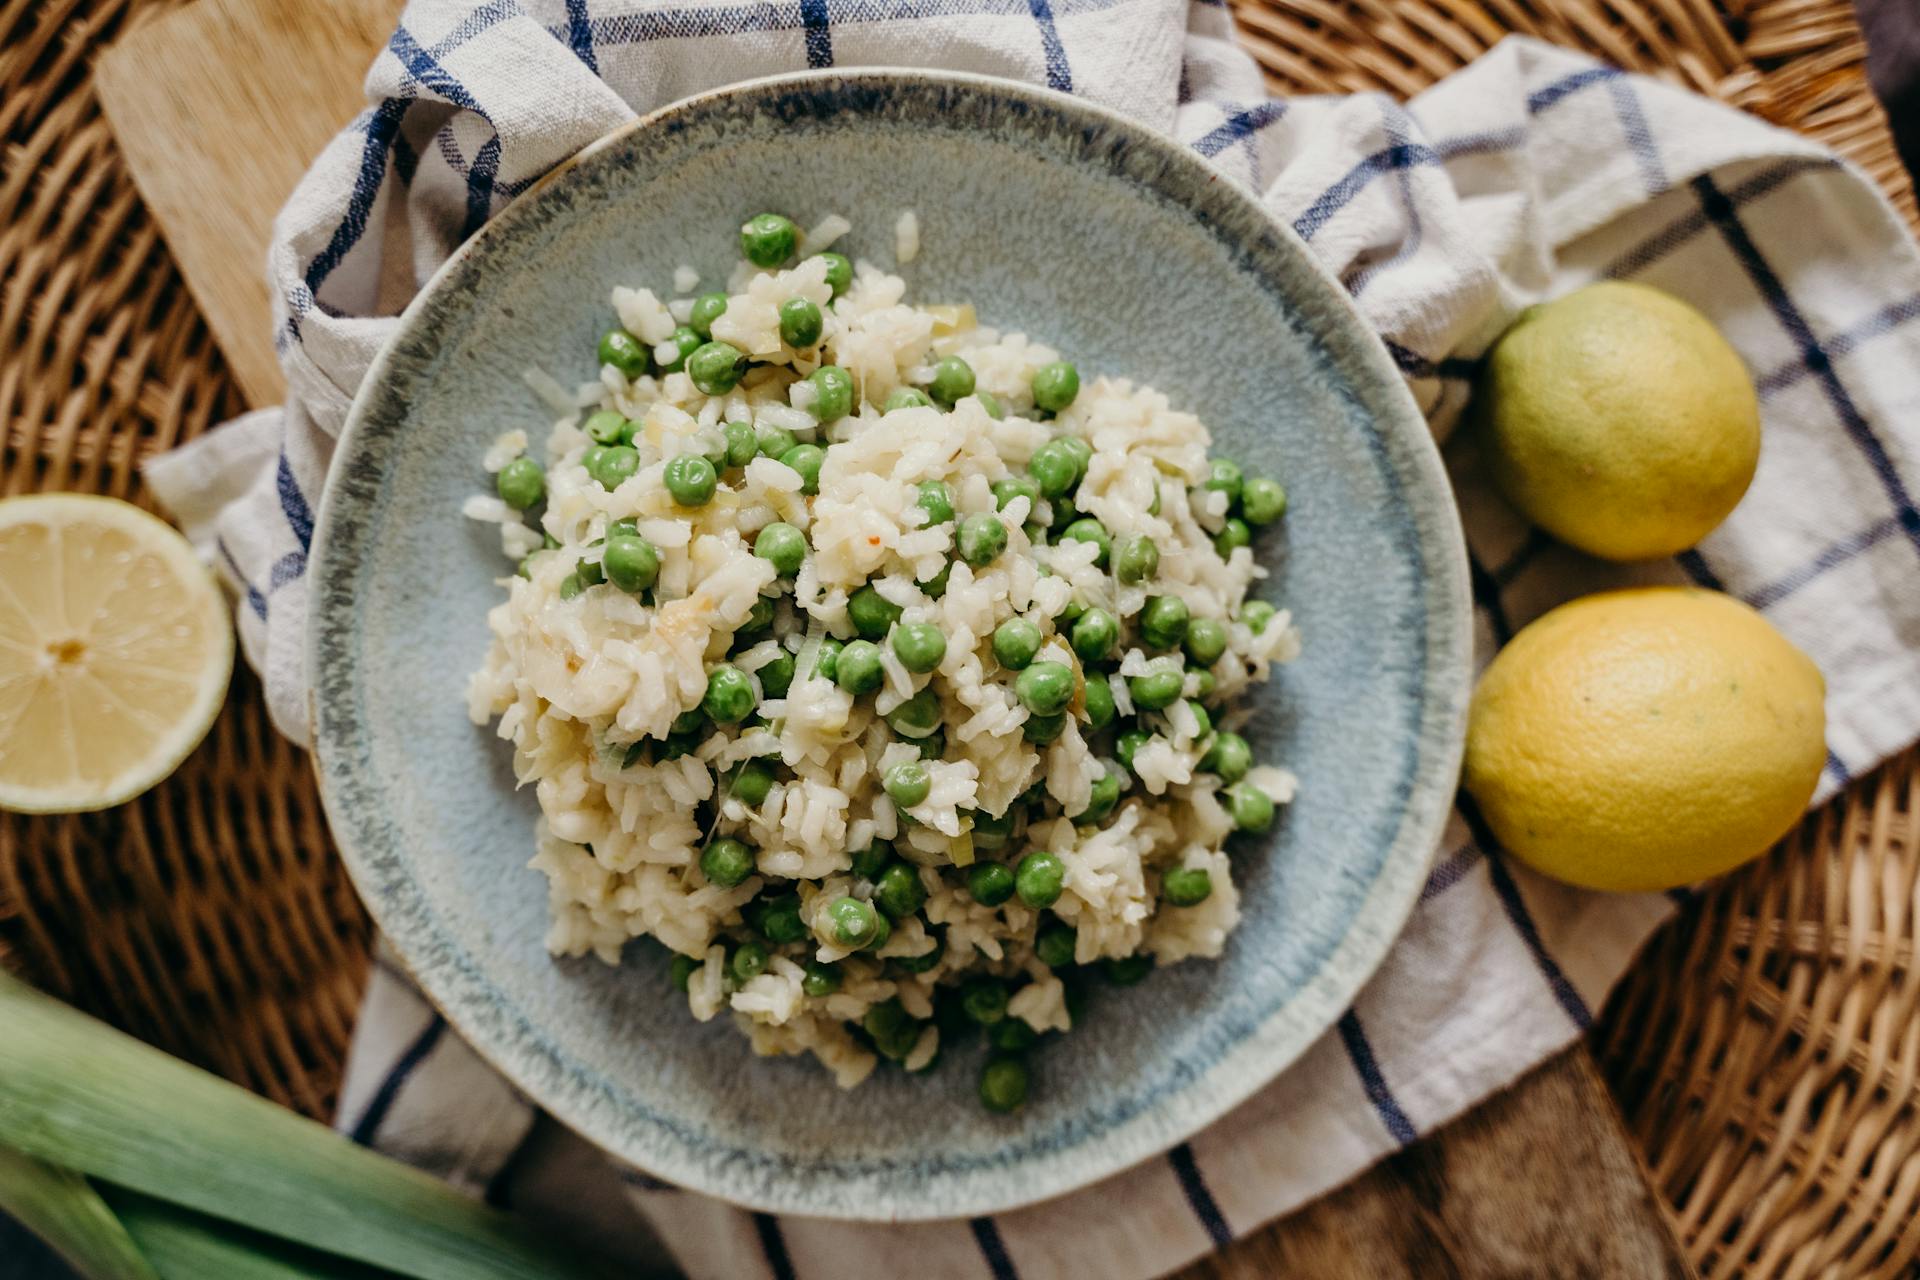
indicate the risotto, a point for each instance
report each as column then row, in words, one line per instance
column 875, row 665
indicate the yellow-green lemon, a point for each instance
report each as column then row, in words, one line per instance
column 1644, row 739
column 1619, row 420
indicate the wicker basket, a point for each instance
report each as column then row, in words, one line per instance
column 1766, row 1049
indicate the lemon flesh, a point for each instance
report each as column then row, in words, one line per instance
column 115, row 652
column 1619, row 420
column 1645, row 739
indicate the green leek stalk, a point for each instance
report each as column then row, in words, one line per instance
column 64, row 1210
column 82, row 1096
column 184, row 1245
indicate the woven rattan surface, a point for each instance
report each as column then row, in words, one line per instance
column 1766, row 1048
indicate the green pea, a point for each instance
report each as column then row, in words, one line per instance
column 991, row 830
column 1256, row 614
column 991, row 403
column 606, row 426
column 1163, row 622
column 1156, row 690
column 590, row 457
column 918, row 716
column 1234, row 533
column 936, row 499
column 767, row 239
column 521, row 483
column 1003, row 1085
column 1069, row 615
column 952, row 382
column 681, row 971
column 1053, row 468
column 749, row 961
column 1203, row 682
column 1094, row 634
column 1015, row 641
column 1055, row 385
column 1205, row 641
column 525, row 569
column 624, row 352
column 1099, row 700
column 1186, row 886
column 869, row 862
column 919, row 645
column 800, row 323
column 1064, row 514
column 1128, row 743
column 726, row 862
column 1041, row 730
column 776, row 677
column 1127, row 971
column 707, row 308
column 615, row 464
column 827, row 666
column 925, row 960
column 893, row 1033
column 1005, row 491
column 871, row 613
column 851, row 922
column 759, row 618
column 716, row 367
column 729, row 698
column 936, row 586
column 742, row 443
column 1228, row 756
column 821, row 980
column 589, row 573
column 1223, row 477
column 806, row 459
column 984, row 1000
column 1262, row 500
column 858, row 670
column 1250, row 808
column 832, row 393
column 1137, row 559
column 1012, row 1035
column 774, row 442
column 1106, row 794
column 982, row 539
column 1054, row 944
column 906, row 398
column 685, row 342
column 898, row 891
column 1040, row 879
column 779, row 919
column 782, row 546
column 691, row 480
column 1087, row 529
column 908, row 784
column 752, row 782
column 1200, row 715
column 631, row 562
column 990, row 883
column 839, row 272
column 692, row 720
column 1082, row 452
column 1045, row 688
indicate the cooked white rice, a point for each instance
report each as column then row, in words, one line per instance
column 587, row 685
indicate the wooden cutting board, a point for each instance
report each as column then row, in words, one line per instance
column 220, row 106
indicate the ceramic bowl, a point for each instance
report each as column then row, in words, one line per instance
column 1133, row 257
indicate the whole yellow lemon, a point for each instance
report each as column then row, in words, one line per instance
column 1644, row 739
column 1619, row 420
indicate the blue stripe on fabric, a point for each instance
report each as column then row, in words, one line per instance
column 1059, row 74
column 645, row 1181
column 1399, row 133
column 486, row 166
column 1691, row 224
column 1832, row 558
column 819, row 28
column 1540, row 99
column 1633, row 123
column 423, row 67
column 383, row 123
column 1522, row 919
column 1415, row 365
column 294, row 503
column 1696, row 567
column 1486, row 594
column 726, row 20
column 480, row 20
column 1239, row 126
column 1884, row 321
column 255, row 601
column 286, row 569
column 773, row 1246
column 368, row 1125
column 1375, row 1084
column 1840, row 773
column 1721, row 212
column 580, row 34
column 1476, row 144
column 986, row 1234
column 1341, row 193
column 1451, row 871
column 1194, row 1187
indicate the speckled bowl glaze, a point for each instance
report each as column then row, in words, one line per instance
column 1133, row 257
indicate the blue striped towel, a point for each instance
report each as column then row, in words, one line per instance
column 1528, row 173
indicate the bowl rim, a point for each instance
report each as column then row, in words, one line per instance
column 1237, row 1074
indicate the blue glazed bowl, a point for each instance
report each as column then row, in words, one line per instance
column 1134, row 257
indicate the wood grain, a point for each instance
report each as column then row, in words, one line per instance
column 219, row 108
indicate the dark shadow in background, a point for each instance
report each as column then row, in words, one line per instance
column 1893, row 64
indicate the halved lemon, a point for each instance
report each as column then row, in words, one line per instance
column 115, row 652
